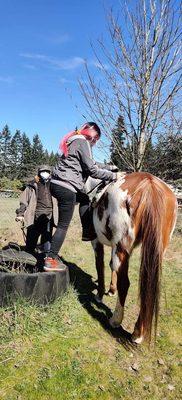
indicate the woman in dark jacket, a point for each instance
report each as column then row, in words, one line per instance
column 67, row 186
column 38, row 210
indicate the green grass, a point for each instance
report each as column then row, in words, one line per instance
column 66, row 350
column 9, row 228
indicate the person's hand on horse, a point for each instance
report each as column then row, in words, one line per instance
column 20, row 219
column 120, row 174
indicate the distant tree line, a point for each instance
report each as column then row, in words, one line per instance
column 163, row 157
column 19, row 158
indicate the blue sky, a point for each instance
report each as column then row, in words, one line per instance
column 43, row 46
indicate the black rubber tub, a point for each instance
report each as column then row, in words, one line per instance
column 41, row 287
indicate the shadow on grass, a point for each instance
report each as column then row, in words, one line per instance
column 84, row 286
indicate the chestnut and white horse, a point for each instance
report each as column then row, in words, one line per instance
column 138, row 208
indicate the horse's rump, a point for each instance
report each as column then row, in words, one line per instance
column 139, row 208
column 149, row 195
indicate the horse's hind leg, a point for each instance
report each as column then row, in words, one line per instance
column 122, row 286
column 138, row 333
column 113, row 284
column 99, row 261
column 113, row 265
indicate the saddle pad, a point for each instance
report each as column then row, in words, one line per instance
column 13, row 255
column 97, row 193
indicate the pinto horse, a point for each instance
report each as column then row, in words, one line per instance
column 137, row 209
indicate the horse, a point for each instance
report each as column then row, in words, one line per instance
column 139, row 208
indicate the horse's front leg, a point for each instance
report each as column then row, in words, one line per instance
column 113, row 284
column 99, row 262
column 120, row 264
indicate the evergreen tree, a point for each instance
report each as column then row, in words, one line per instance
column 15, row 155
column 53, row 159
column 46, row 157
column 174, row 151
column 5, row 138
column 151, row 159
column 37, row 151
column 169, row 154
column 27, row 164
column 118, row 142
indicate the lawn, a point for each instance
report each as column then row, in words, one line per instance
column 66, row 350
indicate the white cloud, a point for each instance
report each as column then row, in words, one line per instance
column 71, row 63
column 64, row 81
column 59, row 39
column 33, row 56
column 96, row 64
column 6, row 79
column 64, row 64
column 30, row 66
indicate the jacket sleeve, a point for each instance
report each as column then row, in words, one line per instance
column 90, row 167
column 109, row 167
column 24, row 201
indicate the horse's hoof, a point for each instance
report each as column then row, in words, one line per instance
column 98, row 299
column 137, row 340
column 111, row 294
column 113, row 323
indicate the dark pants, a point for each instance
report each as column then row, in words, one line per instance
column 42, row 227
column 66, row 204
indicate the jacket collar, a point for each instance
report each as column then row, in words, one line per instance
column 33, row 184
column 75, row 137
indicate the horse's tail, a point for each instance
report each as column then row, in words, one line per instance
column 150, row 218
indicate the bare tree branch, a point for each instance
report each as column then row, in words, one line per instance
column 139, row 74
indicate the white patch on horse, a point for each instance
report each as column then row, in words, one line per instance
column 119, row 220
column 100, row 227
column 116, row 319
column 115, row 261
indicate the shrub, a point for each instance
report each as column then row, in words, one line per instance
column 7, row 184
